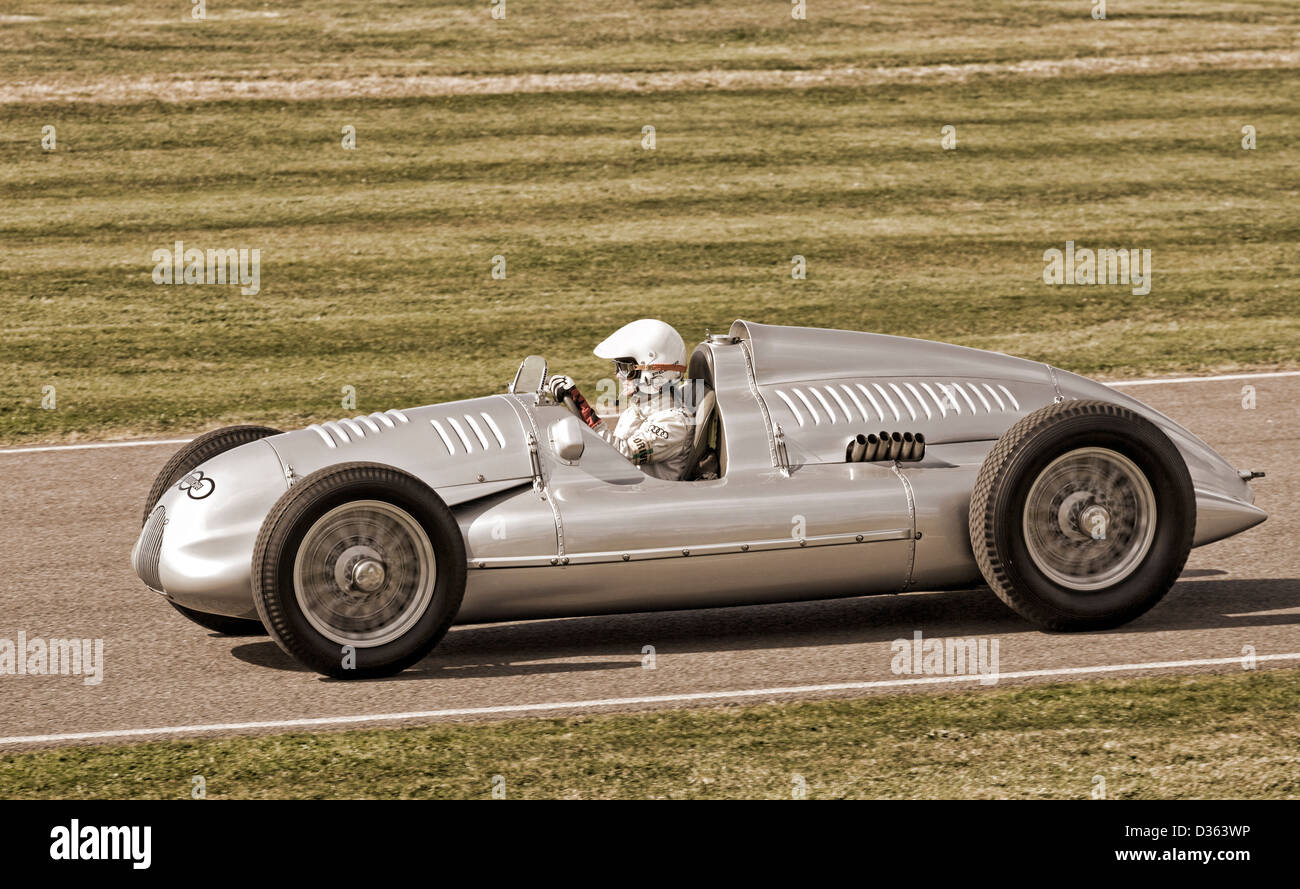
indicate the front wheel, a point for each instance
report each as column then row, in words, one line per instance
column 359, row 570
column 1082, row 516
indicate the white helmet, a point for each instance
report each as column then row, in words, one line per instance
column 648, row 352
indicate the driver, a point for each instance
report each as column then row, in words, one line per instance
column 655, row 432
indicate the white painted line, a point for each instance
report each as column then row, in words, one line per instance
column 1272, row 612
column 104, row 444
column 172, row 441
column 323, row 721
column 1221, row 377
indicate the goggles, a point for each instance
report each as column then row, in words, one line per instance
column 631, row 370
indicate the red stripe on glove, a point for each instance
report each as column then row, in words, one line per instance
column 585, row 410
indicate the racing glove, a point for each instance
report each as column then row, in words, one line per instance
column 560, row 387
column 563, row 387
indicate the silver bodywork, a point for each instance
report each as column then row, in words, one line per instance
column 548, row 533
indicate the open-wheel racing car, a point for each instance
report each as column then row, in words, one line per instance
column 825, row 464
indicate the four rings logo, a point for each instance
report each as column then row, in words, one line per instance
column 197, row 486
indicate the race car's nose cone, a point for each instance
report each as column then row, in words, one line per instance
column 1219, row 516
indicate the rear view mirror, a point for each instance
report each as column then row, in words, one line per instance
column 566, row 438
column 530, row 376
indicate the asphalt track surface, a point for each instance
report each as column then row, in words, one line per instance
column 70, row 517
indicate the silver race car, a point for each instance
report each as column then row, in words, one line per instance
column 826, row 463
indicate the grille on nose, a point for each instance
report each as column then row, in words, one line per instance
column 144, row 558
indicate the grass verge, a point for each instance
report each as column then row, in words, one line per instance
column 1208, row 736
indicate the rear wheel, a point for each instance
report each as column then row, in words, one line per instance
column 1082, row 516
column 194, row 453
column 359, row 570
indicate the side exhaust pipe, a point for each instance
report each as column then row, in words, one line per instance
column 856, row 448
column 873, row 447
column 901, row 446
column 906, row 452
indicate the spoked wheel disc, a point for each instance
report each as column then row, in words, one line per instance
column 364, row 573
column 1089, row 518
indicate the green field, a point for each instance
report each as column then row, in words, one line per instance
column 1229, row 736
column 376, row 261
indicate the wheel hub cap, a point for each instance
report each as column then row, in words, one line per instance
column 368, row 575
column 1093, row 521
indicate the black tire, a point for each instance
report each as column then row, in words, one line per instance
column 200, row 450
column 192, row 454
column 285, row 531
column 219, row 623
column 1051, row 437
